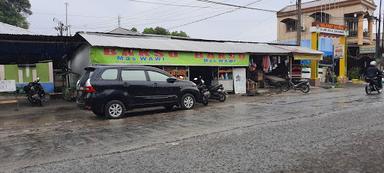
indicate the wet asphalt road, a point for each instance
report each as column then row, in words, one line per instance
column 338, row 130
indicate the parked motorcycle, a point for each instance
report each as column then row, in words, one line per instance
column 275, row 82
column 218, row 92
column 35, row 92
column 302, row 85
column 372, row 86
column 204, row 92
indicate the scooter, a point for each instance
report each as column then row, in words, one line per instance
column 204, row 92
column 301, row 84
column 35, row 93
column 218, row 93
column 372, row 86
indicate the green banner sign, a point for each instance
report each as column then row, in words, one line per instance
column 115, row 56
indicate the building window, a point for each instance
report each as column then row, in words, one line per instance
column 352, row 28
column 321, row 17
column 291, row 24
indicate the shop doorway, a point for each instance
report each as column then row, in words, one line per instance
column 208, row 74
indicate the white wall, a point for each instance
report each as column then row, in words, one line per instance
column 2, row 72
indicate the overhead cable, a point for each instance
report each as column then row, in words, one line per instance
column 169, row 4
column 238, row 6
column 209, row 17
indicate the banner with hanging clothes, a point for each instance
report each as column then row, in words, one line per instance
column 266, row 64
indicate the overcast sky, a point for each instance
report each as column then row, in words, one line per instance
column 102, row 15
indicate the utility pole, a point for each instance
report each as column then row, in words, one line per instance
column 299, row 27
column 66, row 18
column 118, row 21
column 378, row 42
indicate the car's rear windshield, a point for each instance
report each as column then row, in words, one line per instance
column 88, row 74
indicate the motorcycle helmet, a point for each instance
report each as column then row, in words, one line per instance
column 373, row 63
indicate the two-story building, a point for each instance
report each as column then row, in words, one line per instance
column 339, row 28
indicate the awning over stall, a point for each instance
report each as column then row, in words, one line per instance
column 315, row 57
column 29, row 49
column 303, row 53
column 164, row 43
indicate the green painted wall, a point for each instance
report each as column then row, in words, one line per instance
column 11, row 72
column 43, row 71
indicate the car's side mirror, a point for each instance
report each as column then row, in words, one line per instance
column 171, row 80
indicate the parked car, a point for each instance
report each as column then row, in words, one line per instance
column 112, row 90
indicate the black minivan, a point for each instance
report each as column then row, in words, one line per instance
column 112, row 90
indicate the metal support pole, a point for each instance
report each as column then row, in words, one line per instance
column 118, row 21
column 66, row 18
column 378, row 37
column 333, row 72
column 298, row 41
column 17, row 100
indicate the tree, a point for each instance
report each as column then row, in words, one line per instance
column 157, row 31
column 179, row 34
column 148, row 31
column 133, row 29
column 162, row 31
column 15, row 12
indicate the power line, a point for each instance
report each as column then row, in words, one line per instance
column 209, row 17
column 237, row 6
column 167, row 21
column 169, row 4
column 74, row 15
column 170, row 18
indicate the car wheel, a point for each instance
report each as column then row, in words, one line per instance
column 114, row 109
column 187, row 101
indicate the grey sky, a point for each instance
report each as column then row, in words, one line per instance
column 101, row 15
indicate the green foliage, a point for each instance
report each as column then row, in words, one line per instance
column 157, row 31
column 15, row 12
column 354, row 73
column 163, row 31
column 149, row 31
column 179, row 34
column 133, row 29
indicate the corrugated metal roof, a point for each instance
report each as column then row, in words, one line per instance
column 171, row 44
column 120, row 30
column 9, row 29
column 311, row 4
column 300, row 50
